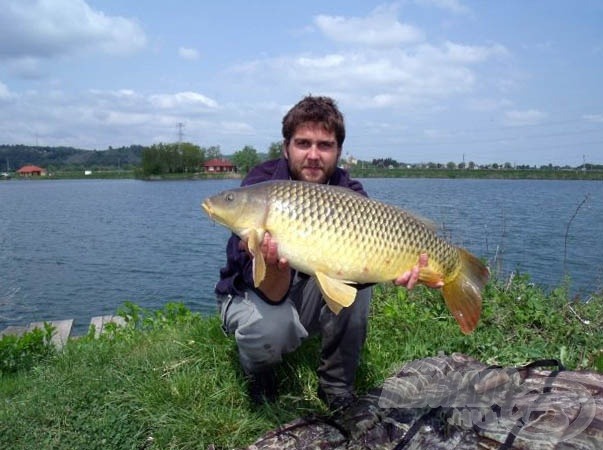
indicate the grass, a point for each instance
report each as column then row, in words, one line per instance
column 170, row 379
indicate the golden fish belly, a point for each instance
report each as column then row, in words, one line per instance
column 350, row 237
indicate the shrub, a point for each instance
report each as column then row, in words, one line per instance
column 20, row 353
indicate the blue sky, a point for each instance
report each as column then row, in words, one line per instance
column 418, row 80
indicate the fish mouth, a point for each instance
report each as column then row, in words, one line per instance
column 206, row 205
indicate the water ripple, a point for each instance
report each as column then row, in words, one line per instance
column 75, row 249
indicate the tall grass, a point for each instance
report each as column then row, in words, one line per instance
column 171, row 380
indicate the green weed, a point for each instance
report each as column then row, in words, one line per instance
column 20, row 353
column 170, row 379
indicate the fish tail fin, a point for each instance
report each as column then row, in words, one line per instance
column 463, row 295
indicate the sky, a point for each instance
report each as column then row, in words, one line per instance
column 518, row 81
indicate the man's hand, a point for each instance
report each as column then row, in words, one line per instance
column 278, row 274
column 269, row 249
column 410, row 278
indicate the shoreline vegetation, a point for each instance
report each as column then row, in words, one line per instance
column 185, row 161
column 485, row 174
column 171, row 378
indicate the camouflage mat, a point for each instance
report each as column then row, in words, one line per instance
column 456, row 402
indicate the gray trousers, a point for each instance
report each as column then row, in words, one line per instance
column 264, row 332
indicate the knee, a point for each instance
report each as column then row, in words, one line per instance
column 270, row 332
column 271, row 324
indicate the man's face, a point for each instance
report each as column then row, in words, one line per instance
column 312, row 153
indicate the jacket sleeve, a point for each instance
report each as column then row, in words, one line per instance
column 237, row 276
column 355, row 185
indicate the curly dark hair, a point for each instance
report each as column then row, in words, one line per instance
column 318, row 109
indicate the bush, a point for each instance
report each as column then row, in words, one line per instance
column 21, row 353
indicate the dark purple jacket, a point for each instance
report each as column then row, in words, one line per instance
column 236, row 277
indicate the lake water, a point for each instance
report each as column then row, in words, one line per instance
column 80, row 248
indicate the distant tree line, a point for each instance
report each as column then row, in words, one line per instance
column 181, row 157
column 69, row 158
column 390, row 163
column 385, row 162
column 157, row 159
column 185, row 157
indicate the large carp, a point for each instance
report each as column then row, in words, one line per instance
column 341, row 237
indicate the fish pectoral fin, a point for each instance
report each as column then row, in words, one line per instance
column 254, row 239
column 336, row 293
column 335, row 307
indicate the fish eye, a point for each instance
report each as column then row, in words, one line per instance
column 229, row 197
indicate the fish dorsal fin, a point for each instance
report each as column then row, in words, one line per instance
column 254, row 239
column 336, row 293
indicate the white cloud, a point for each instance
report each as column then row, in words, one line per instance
column 598, row 118
column 525, row 117
column 180, row 99
column 453, row 6
column 50, row 28
column 322, row 62
column 380, row 29
column 190, row 54
column 487, row 104
column 378, row 62
column 235, row 128
column 123, row 118
column 25, row 67
column 472, row 53
column 4, row 92
column 96, row 119
column 381, row 77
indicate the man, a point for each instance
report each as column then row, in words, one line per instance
column 274, row 318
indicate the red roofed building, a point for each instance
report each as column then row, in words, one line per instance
column 31, row 171
column 219, row 165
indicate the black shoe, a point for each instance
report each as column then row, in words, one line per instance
column 337, row 402
column 262, row 386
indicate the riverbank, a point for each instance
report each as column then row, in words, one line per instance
column 485, row 174
column 356, row 172
column 171, row 378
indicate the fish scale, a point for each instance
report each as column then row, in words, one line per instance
column 346, row 219
column 342, row 237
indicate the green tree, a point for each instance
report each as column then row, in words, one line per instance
column 192, row 157
column 151, row 161
column 246, row 158
column 213, row 152
column 275, row 150
column 162, row 158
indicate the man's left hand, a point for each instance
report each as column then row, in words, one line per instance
column 410, row 278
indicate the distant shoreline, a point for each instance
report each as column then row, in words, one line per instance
column 355, row 173
column 489, row 174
